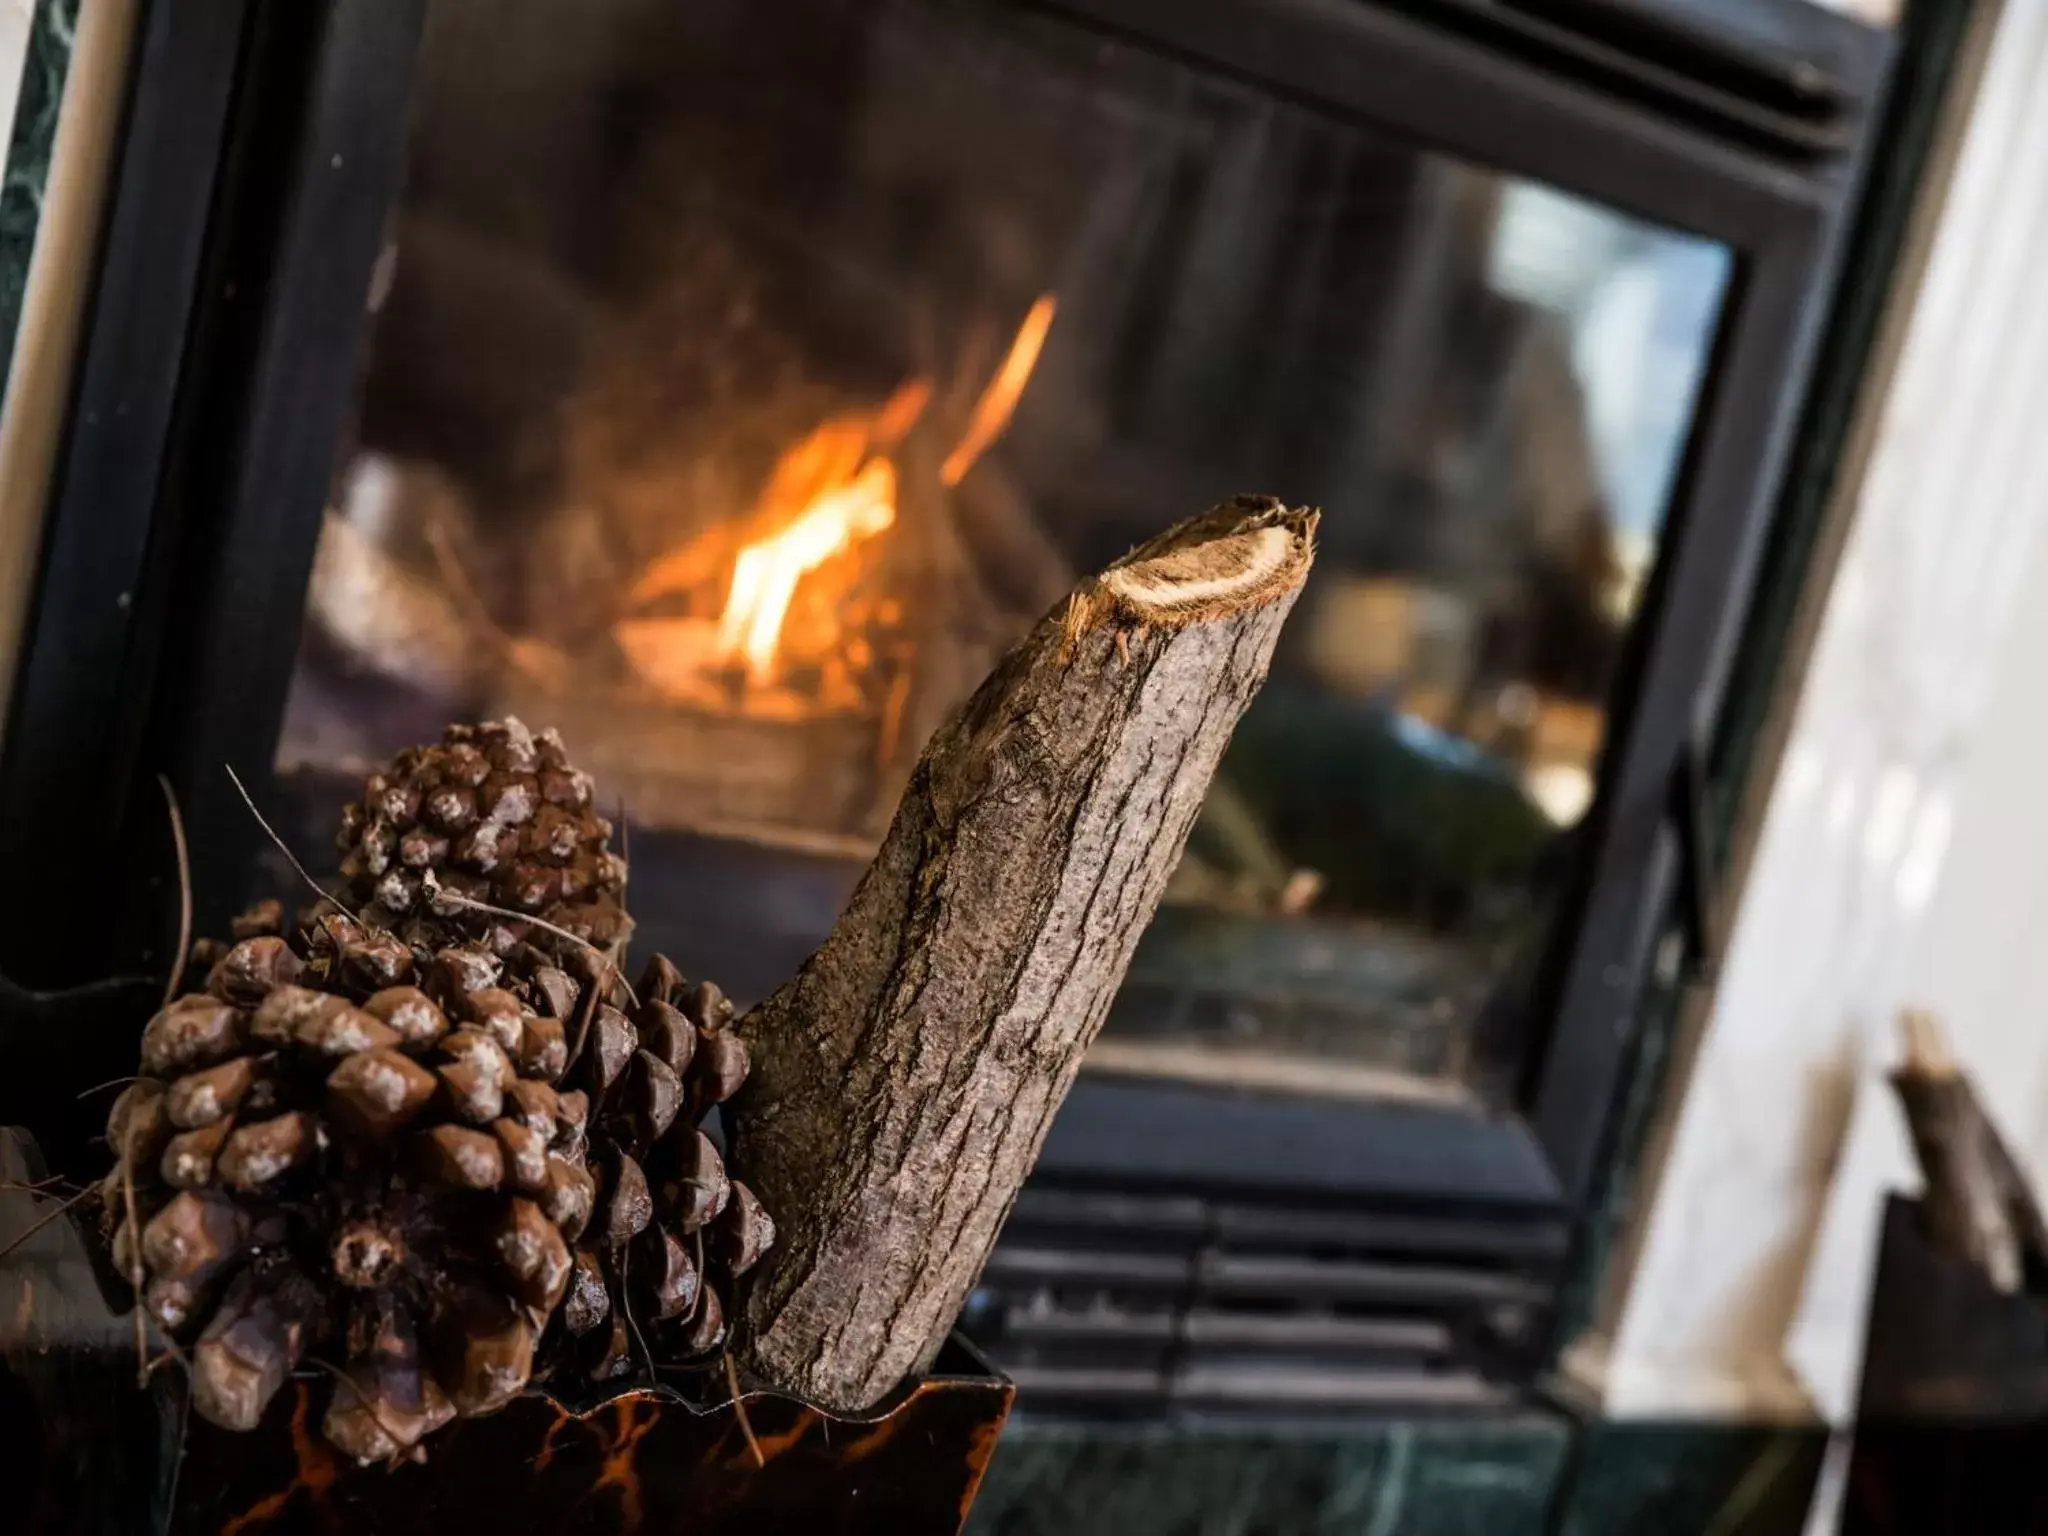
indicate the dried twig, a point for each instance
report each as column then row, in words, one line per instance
column 334, row 936
column 37, row 1186
column 134, row 1221
column 285, row 848
column 697, row 1304
column 369, row 1403
column 178, row 1456
column 184, row 950
column 440, row 892
column 626, row 1306
column 612, row 958
column 112, row 1082
column 739, row 1408
column 172, row 1355
column 615, row 953
column 38, row 1226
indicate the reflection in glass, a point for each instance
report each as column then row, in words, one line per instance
column 743, row 385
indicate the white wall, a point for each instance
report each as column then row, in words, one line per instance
column 1904, row 853
column 1981, row 959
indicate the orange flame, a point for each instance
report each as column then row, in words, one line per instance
column 833, row 490
column 826, row 495
column 765, row 578
column 894, row 421
column 993, row 410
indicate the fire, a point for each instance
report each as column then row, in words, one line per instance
column 765, row 576
column 992, row 411
column 828, row 494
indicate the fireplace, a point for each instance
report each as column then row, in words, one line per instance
column 739, row 435
column 729, row 385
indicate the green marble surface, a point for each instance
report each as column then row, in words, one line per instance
column 29, row 147
column 1690, row 1479
column 1528, row 1475
column 1428, row 1478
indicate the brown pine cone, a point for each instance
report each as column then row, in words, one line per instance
column 373, row 1141
column 494, row 814
column 383, row 1176
column 672, row 1231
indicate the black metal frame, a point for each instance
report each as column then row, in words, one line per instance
column 1782, row 221
column 222, row 350
column 73, row 742
column 262, row 147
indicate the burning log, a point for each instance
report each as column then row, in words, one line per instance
column 903, row 1082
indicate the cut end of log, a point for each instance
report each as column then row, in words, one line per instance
column 1236, row 557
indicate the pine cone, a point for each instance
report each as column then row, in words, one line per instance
column 378, row 1141
column 389, row 1177
column 672, row 1231
column 493, row 815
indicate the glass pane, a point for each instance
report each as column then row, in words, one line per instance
column 740, row 385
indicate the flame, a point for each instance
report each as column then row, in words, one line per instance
column 765, row 577
column 992, row 411
column 828, row 493
column 894, row 421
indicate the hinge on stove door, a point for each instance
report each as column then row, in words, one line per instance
column 1699, row 896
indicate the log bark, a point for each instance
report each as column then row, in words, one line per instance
column 903, row 1082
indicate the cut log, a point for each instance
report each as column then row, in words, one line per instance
column 903, row 1082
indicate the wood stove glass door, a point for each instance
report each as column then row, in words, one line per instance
column 742, row 380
